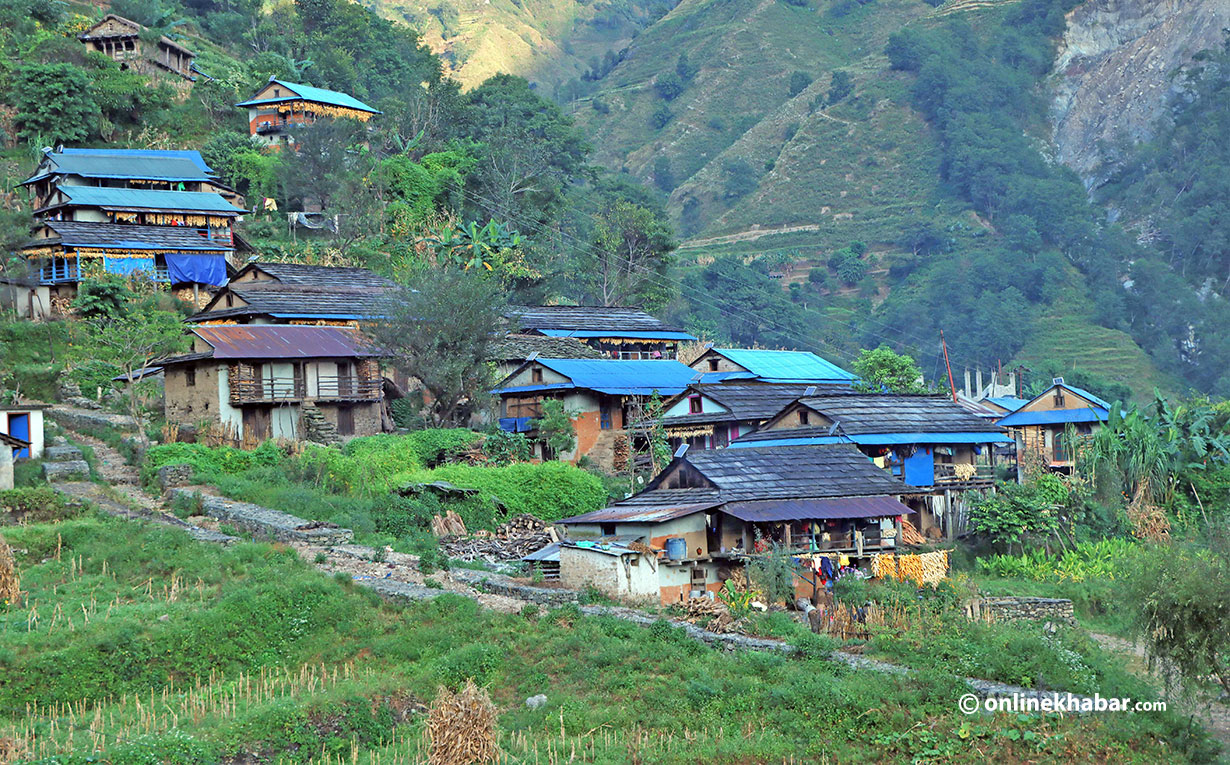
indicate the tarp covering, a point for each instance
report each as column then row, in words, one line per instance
column 516, row 424
column 758, row 511
column 199, row 269
column 126, row 266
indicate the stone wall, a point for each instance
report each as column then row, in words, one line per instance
column 1012, row 609
column 265, row 523
column 170, row 476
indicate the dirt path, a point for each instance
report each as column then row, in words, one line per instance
column 747, row 236
column 1213, row 714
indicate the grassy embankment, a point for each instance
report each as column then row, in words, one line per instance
column 139, row 645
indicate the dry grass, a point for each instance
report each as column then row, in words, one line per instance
column 461, row 727
column 10, row 582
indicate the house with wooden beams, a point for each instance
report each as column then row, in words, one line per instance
column 161, row 214
column 769, row 366
column 616, row 332
column 604, row 394
column 295, row 293
column 278, row 108
column 709, row 512
column 1045, row 427
column 711, row 415
column 244, row 384
column 123, row 40
column 933, row 444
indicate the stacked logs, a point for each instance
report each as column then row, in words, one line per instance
column 514, row 539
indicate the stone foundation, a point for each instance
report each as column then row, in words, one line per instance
column 269, row 524
column 1002, row 609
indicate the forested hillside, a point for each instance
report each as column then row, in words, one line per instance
column 837, row 173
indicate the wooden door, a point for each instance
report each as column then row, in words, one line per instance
column 345, row 421
column 256, row 422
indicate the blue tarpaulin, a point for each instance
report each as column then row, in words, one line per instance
column 920, row 468
column 201, row 269
column 126, row 266
column 516, row 424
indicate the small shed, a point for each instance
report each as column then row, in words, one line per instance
column 24, row 422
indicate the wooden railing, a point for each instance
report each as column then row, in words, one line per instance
column 946, row 475
column 253, row 390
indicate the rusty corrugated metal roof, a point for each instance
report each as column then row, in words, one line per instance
column 808, row 509
column 281, row 341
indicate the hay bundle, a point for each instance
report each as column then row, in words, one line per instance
column 10, row 583
column 461, row 727
column 11, row 750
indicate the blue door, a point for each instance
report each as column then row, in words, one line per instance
column 19, row 427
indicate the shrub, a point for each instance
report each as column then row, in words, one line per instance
column 551, row 490
column 39, row 504
column 798, row 82
column 208, row 462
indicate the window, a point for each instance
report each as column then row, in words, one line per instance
column 804, row 417
column 713, row 365
column 1059, row 402
column 190, row 377
column 608, row 529
column 536, row 375
column 694, row 405
column 230, row 300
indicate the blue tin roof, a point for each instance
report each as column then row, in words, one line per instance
column 189, row 154
column 1055, row 417
column 148, row 199
column 1011, row 403
column 786, row 366
column 610, row 376
column 665, row 335
column 717, row 377
column 311, row 93
column 132, row 164
column 881, row 439
column 1088, row 396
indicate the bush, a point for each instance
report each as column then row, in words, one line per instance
column 798, row 83
column 660, row 117
column 34, row 505
column 208, row 462
column 551, row 490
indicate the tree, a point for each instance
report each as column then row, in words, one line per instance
column 631, row 255
column 130, row 336
column 885, row 370
column 740, row 180
column 1181, row 606
column 54, row 103
column 773, row 574
column 798, row 82
column 685, row 68
column 660, row 116
column 841, row 85
column 556, row 428
column 663, row 177
column 437, row 330
column 668, row 85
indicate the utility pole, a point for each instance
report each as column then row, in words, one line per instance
column 951, row 385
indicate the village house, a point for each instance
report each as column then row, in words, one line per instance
column 24, row 423
column 243, row 384
column 768, row 366
column 616, row 332
column 122, row 211
column 163, row 59
column 708, row 512
column 279, row 107
column 939, row 449
column 604, row 394
column 711, row 415
column 1041, row 426
column 294, row 293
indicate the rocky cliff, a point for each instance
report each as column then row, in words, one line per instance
column 1119, row 62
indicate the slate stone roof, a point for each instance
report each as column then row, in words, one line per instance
column 294, row 301
column 520, row 347
column 746, row 402
column 868, row 413
column 783, row 472
column 586, row 318
column 124, row 236
column 321, row 276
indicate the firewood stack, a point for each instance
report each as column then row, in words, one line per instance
column 710, row 614
column 450, row 524
column 515, row 538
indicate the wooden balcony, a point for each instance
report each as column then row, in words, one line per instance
column 272, row 390
column 949, row 477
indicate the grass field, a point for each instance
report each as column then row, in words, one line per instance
column 137, row 645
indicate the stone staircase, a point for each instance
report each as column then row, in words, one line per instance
column 315, row 428
column 64, row 463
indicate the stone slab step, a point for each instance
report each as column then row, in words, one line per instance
column 65, row 471
column 62, row 454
